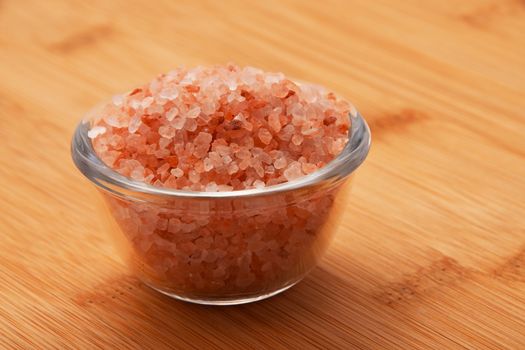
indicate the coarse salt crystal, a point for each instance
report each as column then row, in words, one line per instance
column 293, row 171
column 134, row 125
column 227, row 159
column 208, row 165
column 265, row 136
column 297, row 139
column 177, row 172
column 137, row 173
column 273, row 78
column 178, row 123
column 243, row 154
column 274, row 122
column 223, row 188
column 96, row 131
column 135, row 104
column 258, row 184
column 193, row 112
column 194, row 176
column 233, row 168
column 190, row 125
column 280, row 163
column 211, row 187
column 172, row 113
column 169, row 94
column 147, row 102
column 167, row 132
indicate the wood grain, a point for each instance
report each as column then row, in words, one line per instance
column 431, row 253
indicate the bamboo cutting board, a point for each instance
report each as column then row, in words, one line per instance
column 431, row 252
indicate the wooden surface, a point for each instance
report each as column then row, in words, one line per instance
column 431, row 253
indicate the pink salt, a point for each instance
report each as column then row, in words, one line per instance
column 96, row 131
column 265, row 136
column 280, row 163
column 293, row 171
column 221, row 128
column 177, row 172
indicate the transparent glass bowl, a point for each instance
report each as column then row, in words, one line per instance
column 224, row 247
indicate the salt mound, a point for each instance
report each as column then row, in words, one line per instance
column 220, row 128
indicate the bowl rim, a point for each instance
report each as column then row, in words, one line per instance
column 92, row 167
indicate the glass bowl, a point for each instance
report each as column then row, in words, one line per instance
column 224, row 248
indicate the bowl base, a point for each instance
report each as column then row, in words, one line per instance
column 222, row 301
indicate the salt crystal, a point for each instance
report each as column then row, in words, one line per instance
column 338, row 146
column 266, row 158
column 227, row 159
column 243, row 153
column 203, row 138
column 169, row 94
column 113, row 120
column 208, row 165
column 258, row 184
column 163, row 168
column 231, row 83
column 248, row 76
column 309, row 129
column 202, row 144
column 208, row 107
column 177, row 172
column 297, row 139
column 96, row 131
column 163, row 142
column 293, row 171
column 231, row 97
column 134, row 125
column 215, row 159
column 280, row 163
column 199, row 164
column 137, row 173
column 190, row 125
column 172, row 113
column 233, row 168
column 247, row 126
column 193, row 112
column 287, row 132
column 178, row 123
column 298, row 114
column 273, row 78
column 265, row 136
column 135, row 104
column 146, row 102
column 188, row 79
column 211, row 187
column 167, row 132
column 310, row 92
column 194, row 176
column 309, row 168
column 244, row 164
column 270, row 170
column 259, row 169
column 274, row 122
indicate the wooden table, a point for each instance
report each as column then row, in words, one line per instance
column 431, row 253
